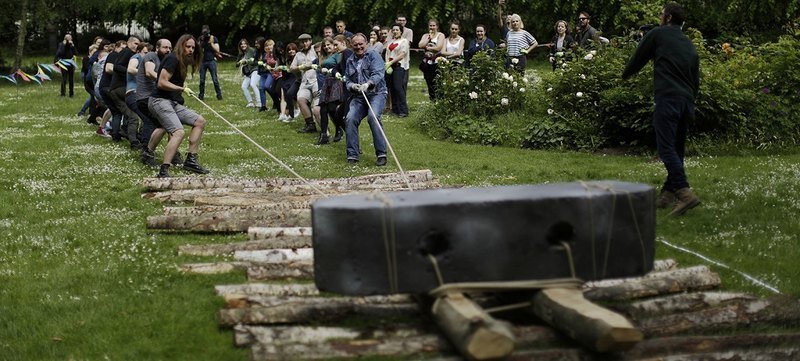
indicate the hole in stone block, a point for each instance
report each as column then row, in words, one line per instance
column 558, row 232
column 433, row 242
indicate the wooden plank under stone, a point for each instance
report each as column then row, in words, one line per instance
column 275, row 255
column 214, row 267
column 261, row 207
column 267, row 289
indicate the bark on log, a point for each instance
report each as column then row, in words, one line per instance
column 227, row 222
column 276, row 255
column 400, row 342
column 267, row 289
column 661, row 265
column 160, row 184
column 300, row 310
column 779, row 311
column 475, row 334
column 600, row 329
column 230, row 248
column 681, row 280
column 278, row 271
column 256, row 233
column 213, row 268
column 682, row 302
column 261, row 207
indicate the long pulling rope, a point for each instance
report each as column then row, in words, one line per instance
column 380, row 128
column 745, row 275
column 284, row 165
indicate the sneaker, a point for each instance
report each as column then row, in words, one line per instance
column 250, row 105
column 296, row 113
column 262, row 109
column 380, row 162
column 685, row 200
column 665, row 199
column 282, row 117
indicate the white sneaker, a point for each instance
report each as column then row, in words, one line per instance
column 250, row 105
column 283, row 118
column 296, row 113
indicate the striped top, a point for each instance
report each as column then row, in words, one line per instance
column 518, row 40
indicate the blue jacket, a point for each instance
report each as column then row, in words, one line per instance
column 372, row 69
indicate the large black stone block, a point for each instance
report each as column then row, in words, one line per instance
column 378, row 243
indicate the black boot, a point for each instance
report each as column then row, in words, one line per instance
column 164, row 171
column 262, row 109
column 177, row 159
column 310, row 127
column 191, row 164
column 148, row 158
column 323, row 138
column 338, row 136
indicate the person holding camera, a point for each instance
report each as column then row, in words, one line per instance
column 66, row 51
column 210, row 46
column 676, row 81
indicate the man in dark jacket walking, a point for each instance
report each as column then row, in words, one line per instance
column 676, row 80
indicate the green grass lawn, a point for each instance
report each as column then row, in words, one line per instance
column 81, row 278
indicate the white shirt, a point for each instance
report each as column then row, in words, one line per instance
column 401, row 47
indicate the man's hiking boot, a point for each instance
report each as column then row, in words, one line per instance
column 164, row 171
column 686, row 200
column 309, row 128
column 191, row 164
column 177, row 159
column 148, row 158
column 665, row 199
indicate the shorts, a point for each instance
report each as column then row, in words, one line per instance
column 171, row 114
column 309, row 91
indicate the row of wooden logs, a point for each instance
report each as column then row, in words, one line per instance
column 665, row 305
column 672, row 308
column 231, row 205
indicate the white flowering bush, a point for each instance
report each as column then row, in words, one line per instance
column 481, row 92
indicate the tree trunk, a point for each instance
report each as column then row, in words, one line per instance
column 161, row 184
column 205, row 209
column 230, row 221
column 779, row 311
column 275, row 255
column 23, row 34
column 266, row 289
column 476, row 335
column 600, row 329
column 259, row 233
column 653, row 284
column 230, row 248
column 304, row 310
column 682, row 302
column 213, row 268
column 281, row 271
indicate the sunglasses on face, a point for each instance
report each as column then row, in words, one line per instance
column 583, row 18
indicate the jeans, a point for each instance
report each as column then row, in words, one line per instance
column 211, row 66
column 397, row 84
column 359, row 110
column 251, row 81
column 670, row 123
column 267, row 86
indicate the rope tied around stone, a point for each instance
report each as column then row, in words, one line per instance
column 445, row 289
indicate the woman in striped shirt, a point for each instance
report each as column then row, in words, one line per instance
column 518, row 42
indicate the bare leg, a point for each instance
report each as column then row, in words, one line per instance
column 155, row 138
column 195, row 134
column 172, row 146
column 304, row 109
